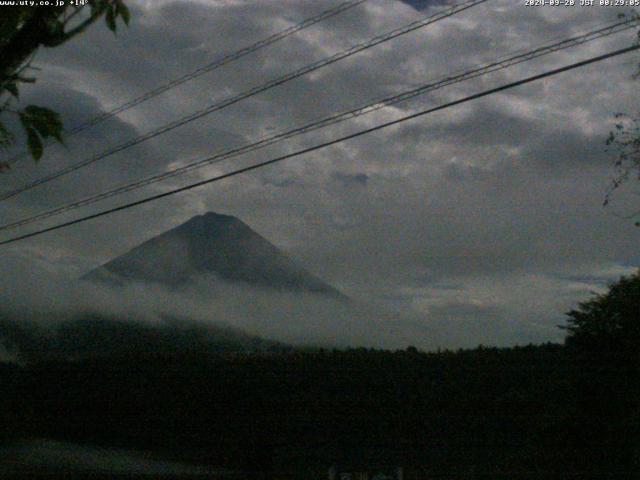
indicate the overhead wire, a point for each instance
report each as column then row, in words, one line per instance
column 335, row 141
column 501, row 63
column 441, row 15
column 210, row 67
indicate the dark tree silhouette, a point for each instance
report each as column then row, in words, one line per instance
column 604, row 337
column 609, row 321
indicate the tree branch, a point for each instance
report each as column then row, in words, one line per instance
column 60, row 39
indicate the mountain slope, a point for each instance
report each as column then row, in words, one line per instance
column 93, row 335
column 211, row 244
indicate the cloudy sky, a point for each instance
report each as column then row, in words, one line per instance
column 486, row 217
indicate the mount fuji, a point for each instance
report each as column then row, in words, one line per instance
column 211, row 244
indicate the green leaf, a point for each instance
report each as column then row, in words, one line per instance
column 39, row 123
column 55, row 27
column 6, row 137
column 35, row 144
column 110, row 18
column 93, row 7
column 46, row 122
column 12, row 88
column 123, row 11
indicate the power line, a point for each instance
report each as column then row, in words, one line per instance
column 232, row 57
column 249, row 93
column 360, row 133
column 500, row 64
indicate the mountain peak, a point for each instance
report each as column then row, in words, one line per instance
column 211, row 218
column 211, row 244
column 214, row 217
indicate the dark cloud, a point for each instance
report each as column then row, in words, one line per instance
column 424, row 4
column 350, row 179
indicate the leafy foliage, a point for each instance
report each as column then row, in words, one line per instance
column 23, row 30
column 6, row 137
column 604, row 336
column 625, row 139
column 40, row 123
column 609, row 321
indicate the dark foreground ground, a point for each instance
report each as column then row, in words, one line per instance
column 529, row 412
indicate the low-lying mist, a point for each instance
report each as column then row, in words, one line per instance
column 43, row 302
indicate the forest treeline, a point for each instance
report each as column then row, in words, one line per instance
column 533, row 410
column 546, row 411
